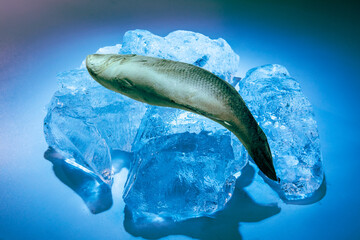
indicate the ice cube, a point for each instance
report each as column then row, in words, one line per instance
column 286, row 116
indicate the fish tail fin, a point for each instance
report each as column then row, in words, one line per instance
column 261, row 154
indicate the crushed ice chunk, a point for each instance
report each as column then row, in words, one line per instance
column 85, row 121
column 181, row 170
column 215, row 55
column 286, row 116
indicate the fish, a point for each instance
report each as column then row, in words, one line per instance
column 168, row 83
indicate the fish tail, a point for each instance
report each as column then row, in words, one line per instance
column 261, row 154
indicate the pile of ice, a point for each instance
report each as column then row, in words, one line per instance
column 184, row 165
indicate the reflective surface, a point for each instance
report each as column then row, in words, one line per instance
column 36, row 201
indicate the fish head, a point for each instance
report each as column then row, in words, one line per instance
column 127, row 74
column 112, row 71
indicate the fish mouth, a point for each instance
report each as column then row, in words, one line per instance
column 95, row 63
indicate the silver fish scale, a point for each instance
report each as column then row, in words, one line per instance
column 196, row 77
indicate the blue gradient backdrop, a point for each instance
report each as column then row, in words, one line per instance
column 318, row 42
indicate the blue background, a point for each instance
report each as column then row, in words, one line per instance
column 318, row 42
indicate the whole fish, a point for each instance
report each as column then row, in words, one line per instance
column 180, row 85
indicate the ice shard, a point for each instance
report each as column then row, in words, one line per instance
column 184, row 166
column 286, row 116
column 85, row 122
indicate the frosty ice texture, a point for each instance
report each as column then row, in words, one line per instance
column 286, row 116
column 184, row 166
column 215, row 55
column 85, row 121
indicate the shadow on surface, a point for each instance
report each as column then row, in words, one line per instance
column 222, row 225
column 96, row 196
